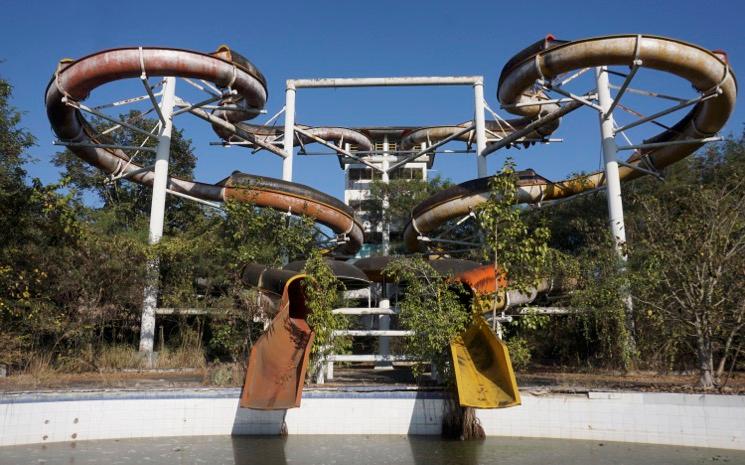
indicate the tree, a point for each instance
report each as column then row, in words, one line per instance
column 14, row 193
column 402, row 195
column 518, row 251
column 689, row 243
column 431, row 307
column 434, row 308
column 322, row 290
column 131, row 201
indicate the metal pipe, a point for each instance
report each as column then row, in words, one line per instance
column 432, row 147
column 387, row 81
column 364, row 311
column 289, row 132
column 236, row 130
column 677, row 107
column 153, row 100
column 554, row 115
column 103, row 146
column 209, row 203
column 478, row 121
column 672, row 142
column 613, row 186
column 372, row 332
column 582, row 99
column 634, row 68
column 157, row 215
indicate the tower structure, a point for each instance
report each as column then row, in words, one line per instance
column 359, row 177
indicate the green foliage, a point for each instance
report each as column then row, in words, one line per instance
column 597, row 297
column 518, row 251
column 520, row 352
column 689, row 245
column 432, row 308
column 322, row 290
column 263, row 235
column 131, row 201
column 402, row 196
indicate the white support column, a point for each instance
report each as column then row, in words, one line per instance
column 384, row 321
column 289, row 135
column 613, row 183
column 157, row 215
column 330, row 370
column 386, row 179
column 384, row 324
column 610, row 152
column 478, row 121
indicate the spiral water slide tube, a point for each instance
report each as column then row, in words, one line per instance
column 707, row 71
column 74, row 80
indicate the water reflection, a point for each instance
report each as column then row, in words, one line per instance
column 258, row 450
column 357, row 450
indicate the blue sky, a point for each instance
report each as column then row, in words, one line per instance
column 350, row 39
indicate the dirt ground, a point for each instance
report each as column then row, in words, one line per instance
column 536, row 379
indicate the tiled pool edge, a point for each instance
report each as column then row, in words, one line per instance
column 703, row 420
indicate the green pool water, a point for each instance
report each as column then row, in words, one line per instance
column 359, row 450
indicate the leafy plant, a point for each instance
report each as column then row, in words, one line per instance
column 432, row 308
column 518, row 251
column 322, row 290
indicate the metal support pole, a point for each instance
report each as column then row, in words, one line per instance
column 157, row 214
column 289, row 135
column 478, row 121
column 386, row 229
column 384, row 324
column 610, row 152
column 613, row 183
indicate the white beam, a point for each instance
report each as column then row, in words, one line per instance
column 480, row 124
column 387, row 81
column 289, row 134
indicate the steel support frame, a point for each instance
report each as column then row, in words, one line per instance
column 157, row 216
column 613, row 183
column 515, row 136
column 248, row 137
column 334, row 147
column 477, row 82
column 610, row 160
column 431, row 148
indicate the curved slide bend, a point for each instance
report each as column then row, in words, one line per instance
column 274, row 134
column 75, row 79
column 707, row 71
column 414, row 137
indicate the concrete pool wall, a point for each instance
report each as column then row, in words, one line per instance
column 703, row 420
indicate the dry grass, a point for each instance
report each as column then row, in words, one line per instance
column 113, row 358
column 225, row 374
column 38, row 373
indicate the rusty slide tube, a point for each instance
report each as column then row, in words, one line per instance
column 707, row 71
column 74, row 80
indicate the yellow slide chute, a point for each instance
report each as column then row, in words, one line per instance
column 483, row 370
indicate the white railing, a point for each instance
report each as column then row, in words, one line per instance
column 382, row 357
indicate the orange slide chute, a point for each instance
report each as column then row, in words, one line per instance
column 279, row 359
